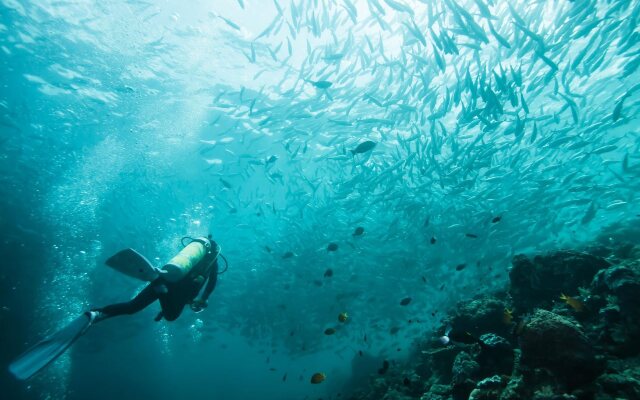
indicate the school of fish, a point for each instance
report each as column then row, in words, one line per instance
column 381, row 158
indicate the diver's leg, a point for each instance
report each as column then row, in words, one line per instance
column 172, row 305
column 147, row 296
column 179, row 296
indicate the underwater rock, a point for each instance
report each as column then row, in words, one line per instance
column 478, row 316
column 496, row 355
column 619, row 326
column 556, row 357
column 610, row 314
column 536, row 283
column 622, row 281
column 393, row 394
column 515, row 389
column 494, row 342
column 437, row 392
column 464, row 372
column 441, row 362
column 405, row 384
column 555, row 343
column 490, row 383
column 547, row 393
column 599, row 250
column 618, row 386
column 488, row 389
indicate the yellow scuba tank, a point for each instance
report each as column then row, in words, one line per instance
column 183, row 262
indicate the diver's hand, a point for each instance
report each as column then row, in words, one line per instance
column 199, row 305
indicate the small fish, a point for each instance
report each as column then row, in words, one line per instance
column 617, row 111
column 284, row 377
column 604, row 149
column 230, row 23
column 272, row 159
column 267, row 249
column 288, row 254
column 444, row 339
column 576, row 304
column 343, row 317
column 433, row 240
column 394, row 330
column 364, row 147
column 358, row 231
column 226, row 184
column 321, row 84
column 406, row 382
column 405, row 301
column 318, row 377
column 460, row 267
column 332, row 247
column 496, row 219
column 590, row 214
column 471, row 235
column 385, row 367
column 329, row 331
column 507, row 316
column 328, row 273
column 399, row 6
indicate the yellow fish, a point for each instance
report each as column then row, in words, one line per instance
column 318, row 377
column 507, row 317
column 343, row 317
column 573, row 303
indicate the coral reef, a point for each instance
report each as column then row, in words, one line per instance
column 567, row 327
column 559, row 345
column 538, row 282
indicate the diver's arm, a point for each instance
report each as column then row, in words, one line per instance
column 200, row 304
column 211, row 283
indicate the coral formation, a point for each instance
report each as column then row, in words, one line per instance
column 567, row 327
column 538, row 282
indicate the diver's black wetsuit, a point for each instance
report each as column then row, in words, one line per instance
column 173, row 296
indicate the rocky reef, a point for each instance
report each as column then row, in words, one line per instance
column 566, row 327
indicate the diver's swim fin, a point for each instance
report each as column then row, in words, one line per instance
column 133, row 264
column 52, row 347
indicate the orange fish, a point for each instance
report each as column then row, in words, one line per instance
column 318, row 377
column 573, row 303
column 507, row 317
column 343, row 317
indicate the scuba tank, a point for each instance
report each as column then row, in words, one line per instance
column 183, row 262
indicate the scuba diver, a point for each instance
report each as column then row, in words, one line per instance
column 175, row 285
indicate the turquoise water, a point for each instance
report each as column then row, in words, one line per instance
column 132, row 124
